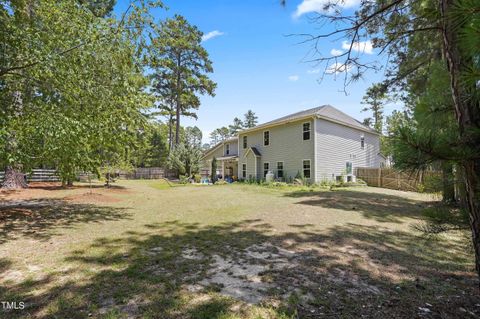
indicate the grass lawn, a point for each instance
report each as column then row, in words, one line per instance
column 143, row 249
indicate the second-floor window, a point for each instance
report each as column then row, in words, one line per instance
column 362, row 142
column 306, row 131
column 227, row 149
column 266, row 138
column 244, row 142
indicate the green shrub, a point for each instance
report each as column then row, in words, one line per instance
column 298, row 176
column 197, row 178
column 421, row 188
column 440, row 219
column 431, row 184
column 213, row 176
column 361, row 182
column 278, row 184
column 446, row 215
column 183, row 179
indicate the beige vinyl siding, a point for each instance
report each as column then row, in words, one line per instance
column 337, row 144
column 207, row 161
column 252, row 166
column 217, row 153
column 286, row 145
column 233, row 148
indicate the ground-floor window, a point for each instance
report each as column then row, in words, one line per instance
column 348, row 168
column 244, row 170
column 266, row 167
column 280, row 169
column 306, row 169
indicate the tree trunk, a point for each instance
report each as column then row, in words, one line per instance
column 177, row 124
column 178, row 102
column 472, row 200
column 467, row 113
column 14, row 179
column 460, row 191
column 107, row 180
column 448, row 193
column 170, row 132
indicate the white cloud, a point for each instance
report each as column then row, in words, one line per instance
column 308, row 6
column 362, row 46
column 293, row 78
column 313, row 71
column 336, row 52
column 211, row 35
column 337, row 67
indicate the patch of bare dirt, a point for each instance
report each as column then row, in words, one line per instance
column 118, row 190
column 49, row 189
column 34, row 190
column 92, row 198
column 13, row 276
column 241, row 277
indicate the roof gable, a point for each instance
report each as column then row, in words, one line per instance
column 216, row 146
column 329, row 112
column 254, row 151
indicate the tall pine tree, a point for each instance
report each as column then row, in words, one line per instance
column 181, row 66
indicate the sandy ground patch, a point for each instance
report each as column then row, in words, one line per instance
column 92, row 198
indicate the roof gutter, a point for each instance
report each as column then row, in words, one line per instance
column 315, row 116
column 260, row 127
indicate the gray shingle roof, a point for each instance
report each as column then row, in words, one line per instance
column 326, row 111
column 255, row 151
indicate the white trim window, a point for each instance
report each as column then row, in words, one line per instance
column 306, row 131
column 244, row 170
column 362, row 142
column 349, row 168
column 266, row 138
column 280, row 169
column 227, row 149
column 244, row 142
column 266, row 168
column 307, row 168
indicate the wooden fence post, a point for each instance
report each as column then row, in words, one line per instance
column 379, row 177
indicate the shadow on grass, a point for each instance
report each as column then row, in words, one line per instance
column 54, row 186
column 185, row 270
column 38, row 218
column 381, row 207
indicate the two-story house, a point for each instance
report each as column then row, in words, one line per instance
column 318, row 144
column 226, row 153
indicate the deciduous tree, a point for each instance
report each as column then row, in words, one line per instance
column 72, row 84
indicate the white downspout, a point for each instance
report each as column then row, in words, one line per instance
column 315, row 149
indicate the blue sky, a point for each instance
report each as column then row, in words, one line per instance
column 257, row 66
